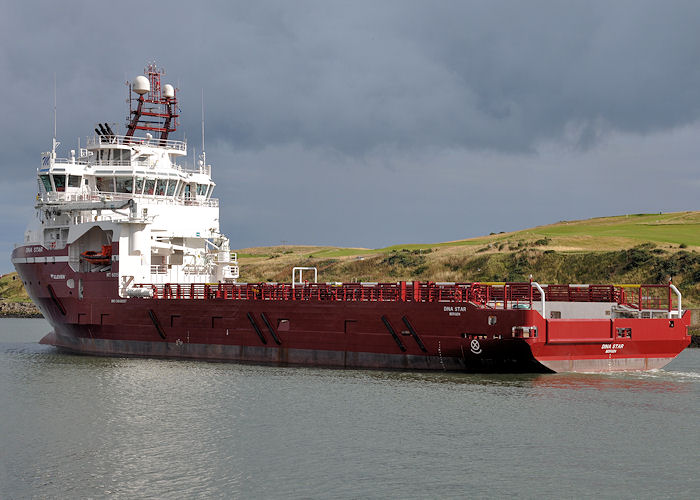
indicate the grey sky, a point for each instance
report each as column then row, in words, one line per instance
column 373, row 123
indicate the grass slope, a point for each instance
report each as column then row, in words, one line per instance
column 12, row 290
column 621, row 231
column 648, row 248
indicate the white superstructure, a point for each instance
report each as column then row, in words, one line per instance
column 130, row 190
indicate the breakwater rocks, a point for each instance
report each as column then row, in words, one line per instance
column 18, row 310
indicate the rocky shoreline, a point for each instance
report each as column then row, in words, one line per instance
column 19, row 310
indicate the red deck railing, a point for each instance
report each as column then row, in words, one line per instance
column 494, row 295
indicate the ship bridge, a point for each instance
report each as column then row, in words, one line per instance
column 126, row 198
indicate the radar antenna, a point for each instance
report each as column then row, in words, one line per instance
column 156, row 106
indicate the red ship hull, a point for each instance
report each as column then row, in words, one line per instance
column 377, row 334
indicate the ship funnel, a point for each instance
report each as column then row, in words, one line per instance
column 141, row 85
column 168, row 91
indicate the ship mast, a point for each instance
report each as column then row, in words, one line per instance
column 156, row 106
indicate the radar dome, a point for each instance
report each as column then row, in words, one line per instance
column 141, row 85
column 168, row 91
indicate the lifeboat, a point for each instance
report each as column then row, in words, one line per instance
column 103, row 257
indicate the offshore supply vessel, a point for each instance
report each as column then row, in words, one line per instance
column 125, row 258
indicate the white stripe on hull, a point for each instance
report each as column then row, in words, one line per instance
column 40, row 260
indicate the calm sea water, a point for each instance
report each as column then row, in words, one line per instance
column 77, row 426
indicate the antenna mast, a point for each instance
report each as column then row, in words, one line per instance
column 54, row 105
column 54, row 142
column 204, row 155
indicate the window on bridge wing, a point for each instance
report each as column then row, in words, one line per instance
column 202, row 189
column 74, row 181
column 150, row 186
column 46, row 183
column 60, row 182
column 124, row 184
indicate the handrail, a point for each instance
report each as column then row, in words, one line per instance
column 63, row 197
column 301, row 274
column 510, row 296
column 119, row 140
column 539, row 289
column 678, row 294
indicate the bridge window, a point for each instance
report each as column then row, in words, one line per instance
column 124, row 184
column 160, row 187
column 60, row 182
column 139, row 185
column 105, row 184
column 171, row 187
column 46, row 182
column 202, row 189
column 122, row 156
column 114, row 156
column 150, row 186
column 74, row 181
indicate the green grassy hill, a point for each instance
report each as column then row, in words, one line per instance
column 12, row 290
column 648, row 248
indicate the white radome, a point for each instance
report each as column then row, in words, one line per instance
column 168, row 91
column 141, row 85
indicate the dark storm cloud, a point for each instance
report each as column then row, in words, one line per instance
column 496, row 75
column 353, row 76
column 347, row 95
